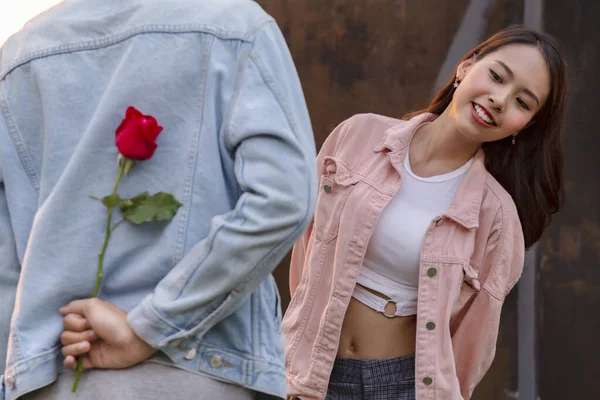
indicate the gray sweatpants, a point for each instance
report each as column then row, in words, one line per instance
column 145, row 381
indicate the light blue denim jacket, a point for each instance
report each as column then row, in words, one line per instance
column 237, row 150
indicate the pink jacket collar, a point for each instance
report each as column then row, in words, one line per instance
column 467, row 203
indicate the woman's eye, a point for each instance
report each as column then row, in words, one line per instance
column 522, row 103
column 495, row 76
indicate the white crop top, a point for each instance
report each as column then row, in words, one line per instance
column 391, row 263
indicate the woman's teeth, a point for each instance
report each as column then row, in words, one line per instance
column 482, row 114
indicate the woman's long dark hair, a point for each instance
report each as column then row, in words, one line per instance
column 530, row 170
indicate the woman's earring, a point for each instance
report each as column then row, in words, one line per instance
column 514, row 137
column 456, row 82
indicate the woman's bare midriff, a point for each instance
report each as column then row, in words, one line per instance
column 370, row 335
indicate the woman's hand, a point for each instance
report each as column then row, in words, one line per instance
column 99, row 330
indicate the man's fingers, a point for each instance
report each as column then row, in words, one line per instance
column 70, row 362
column 78, row 306
column 76, row 349
column 70, row 337
column 75, row 323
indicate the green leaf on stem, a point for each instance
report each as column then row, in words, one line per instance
column 144, row 208
column 133, row 202
column 111, row 200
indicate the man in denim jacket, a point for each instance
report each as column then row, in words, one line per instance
column 190, row 304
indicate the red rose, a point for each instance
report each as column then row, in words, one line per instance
column 136, row 136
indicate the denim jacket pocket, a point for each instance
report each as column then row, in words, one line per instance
column 334, row 188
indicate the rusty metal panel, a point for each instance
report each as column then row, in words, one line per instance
column 357, row 56
column 570, row 252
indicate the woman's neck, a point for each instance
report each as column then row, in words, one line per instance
column 438, row 147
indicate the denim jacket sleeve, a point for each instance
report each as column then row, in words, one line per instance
column 268, row 133
column 9, row 262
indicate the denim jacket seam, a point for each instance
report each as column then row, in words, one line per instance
column 165, row 322
column 227, row 120
column 283, row 244
column 17, row 352
column 254, row 57
column 211, row 347
column 193, row 162
column 24, row 156
column 226, row 123
column 269, row 82
column 17, row 345
column 249, row 55
column 200, row 262
column 194, row 327
column 16, row 368
column 248, row 371
column 240, row 78
column 213, row 310
column 113, row 39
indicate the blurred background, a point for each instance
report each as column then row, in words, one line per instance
column 13, row 14
column 388, row 57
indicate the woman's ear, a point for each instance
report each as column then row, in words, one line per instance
column 464, row 67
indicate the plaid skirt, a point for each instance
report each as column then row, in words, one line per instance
column 392, row 378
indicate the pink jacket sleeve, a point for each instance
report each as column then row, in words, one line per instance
column 475, row 328
column 300, row 248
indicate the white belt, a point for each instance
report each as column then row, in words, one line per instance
column 379, row 304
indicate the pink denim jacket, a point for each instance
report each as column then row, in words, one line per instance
column 471, row 258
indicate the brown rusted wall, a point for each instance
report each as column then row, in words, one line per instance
column 569, row 262
column 358, row 56
column 383, row 56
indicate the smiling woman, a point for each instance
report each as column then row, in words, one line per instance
column 15, row 14
column 420, row 230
